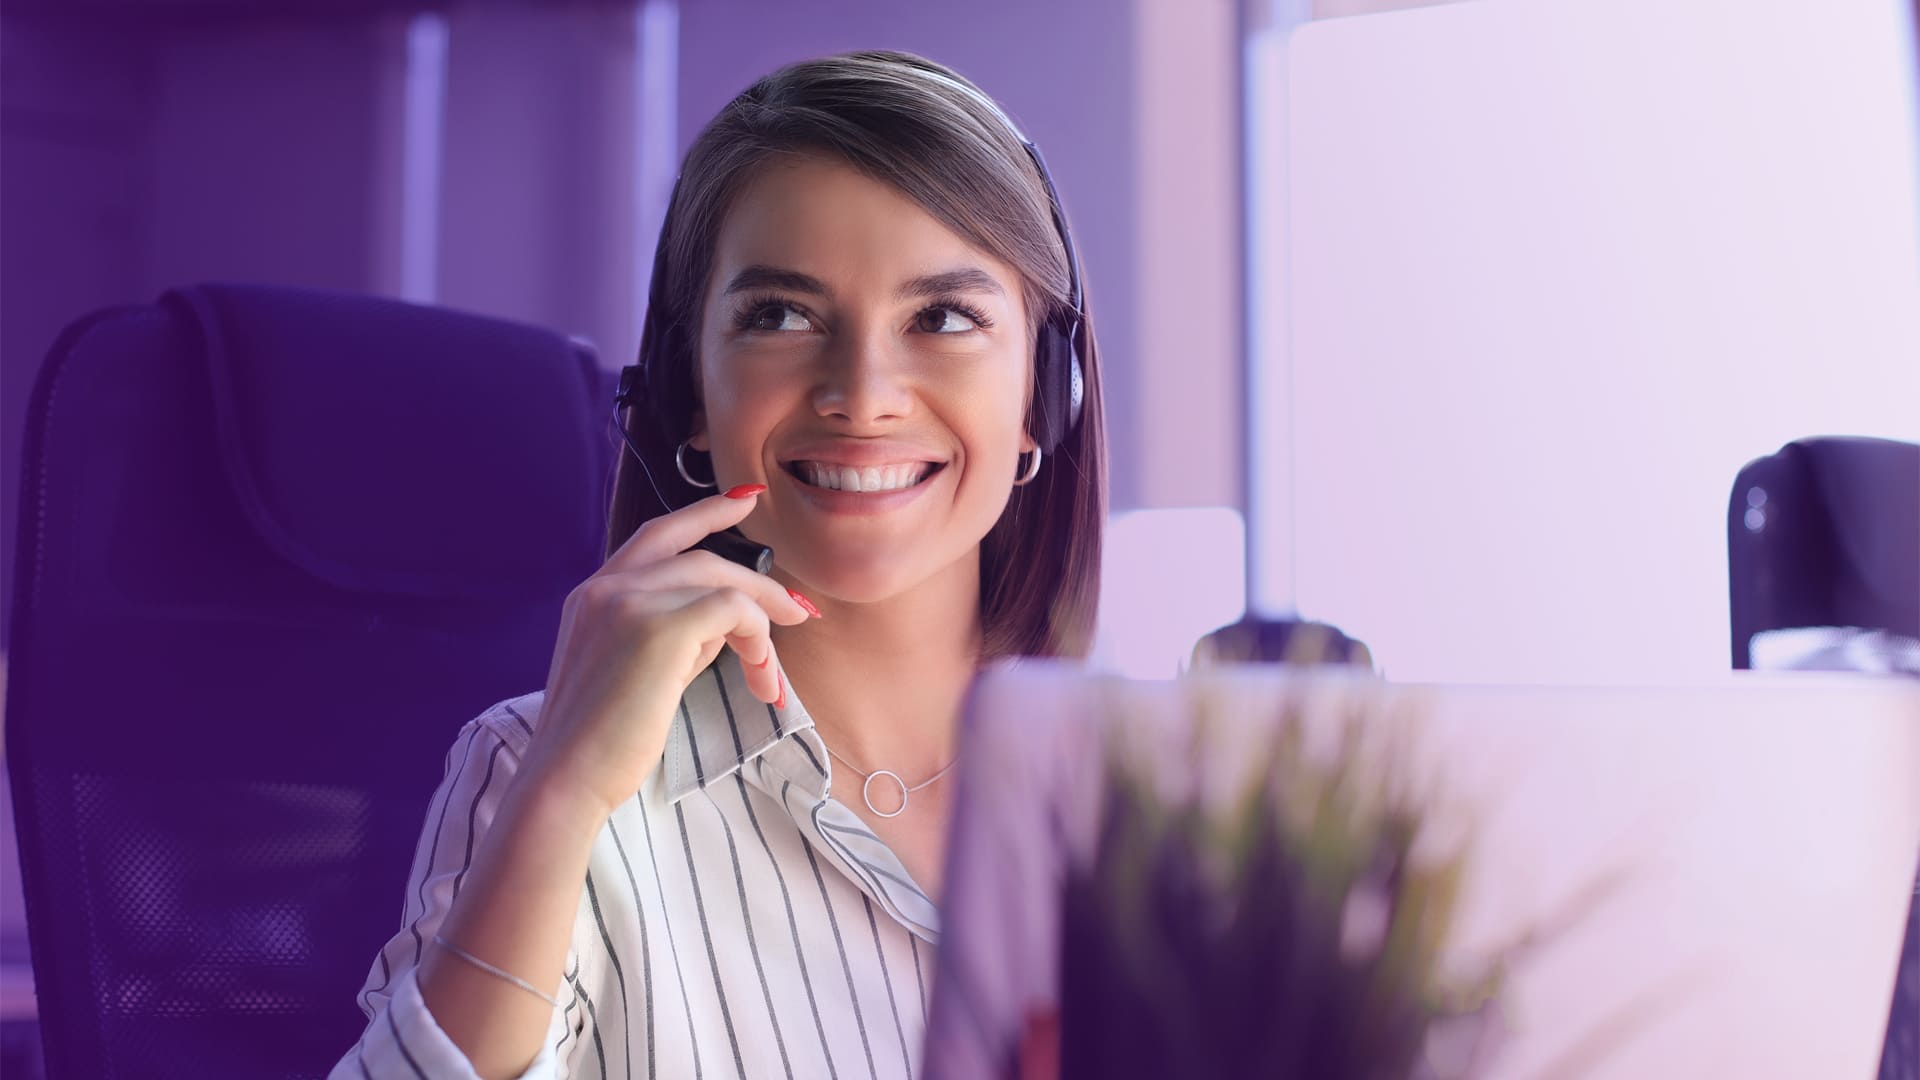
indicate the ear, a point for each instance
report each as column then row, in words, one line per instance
column 699, row 440
column 1027, row 443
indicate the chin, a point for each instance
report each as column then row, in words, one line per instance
column 855, row 580
column 863, row 573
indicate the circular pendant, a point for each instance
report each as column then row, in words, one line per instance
column 866, row 789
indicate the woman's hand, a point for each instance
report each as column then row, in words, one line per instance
column 634, row 635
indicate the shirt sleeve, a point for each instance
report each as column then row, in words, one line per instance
column 402, row 1038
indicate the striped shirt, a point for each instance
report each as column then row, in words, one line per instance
column 735, row 922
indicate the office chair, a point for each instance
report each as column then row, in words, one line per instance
column 1259, row 639
column 276, row 546
column 1826, row 533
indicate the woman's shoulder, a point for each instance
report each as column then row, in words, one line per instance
column 510, row 721
column 502, row 734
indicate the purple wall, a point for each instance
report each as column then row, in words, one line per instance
column 536, row 207
column 72, row 133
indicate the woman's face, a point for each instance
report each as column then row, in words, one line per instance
column 871, row 368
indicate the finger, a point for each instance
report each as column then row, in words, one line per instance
column 696, row 568
column 743, row 623
column 748, row 637
column 763, row 675
column 670, row 534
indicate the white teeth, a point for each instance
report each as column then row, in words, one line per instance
column 870, row 478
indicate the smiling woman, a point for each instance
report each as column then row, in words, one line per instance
column 867, row 330
column 882, row 185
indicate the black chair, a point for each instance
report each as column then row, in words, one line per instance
column 1259, row 639
column 1826, row 533
column 275, row 547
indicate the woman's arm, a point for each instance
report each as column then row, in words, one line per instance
column 484, row 817
column 499, row 871
column 631, row 638
column 515, row 910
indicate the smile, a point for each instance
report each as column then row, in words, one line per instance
column 864, row 479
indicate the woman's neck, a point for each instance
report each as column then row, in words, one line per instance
column 884, row 682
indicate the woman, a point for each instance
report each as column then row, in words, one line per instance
column 712, row 844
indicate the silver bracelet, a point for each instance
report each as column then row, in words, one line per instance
column 491, row 970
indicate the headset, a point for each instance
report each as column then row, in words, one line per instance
column 1060, row 386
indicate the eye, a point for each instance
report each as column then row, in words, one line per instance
column 770, row 315
column 951, row 316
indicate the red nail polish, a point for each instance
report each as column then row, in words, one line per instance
column 781, row 703
column 762, row 665
column 804, row 603
column 745, row 491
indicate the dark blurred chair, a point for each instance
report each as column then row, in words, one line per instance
column 275, row 547
column 1259, row 639
column 1826, row 533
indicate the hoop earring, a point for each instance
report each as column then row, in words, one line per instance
column 680, row 462
column 1033, row 470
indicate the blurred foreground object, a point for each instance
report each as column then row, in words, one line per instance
column 1273, row 921
column 275, row 547
column 1638, row 899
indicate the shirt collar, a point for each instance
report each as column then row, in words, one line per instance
column 721, row 726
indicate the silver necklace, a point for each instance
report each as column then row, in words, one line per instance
column 867, row 788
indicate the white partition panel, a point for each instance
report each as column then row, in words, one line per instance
column 1556, row 269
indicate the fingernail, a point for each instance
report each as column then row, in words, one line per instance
column 782, row 702
column 762, row 665
column 804, row 603
column 745, row 491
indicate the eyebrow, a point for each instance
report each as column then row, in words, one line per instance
column 965, row 279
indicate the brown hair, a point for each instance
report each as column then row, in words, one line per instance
column 917, row 126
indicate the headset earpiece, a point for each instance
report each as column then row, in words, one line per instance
column 1062, row 385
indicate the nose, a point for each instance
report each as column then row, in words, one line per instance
column 864, row 380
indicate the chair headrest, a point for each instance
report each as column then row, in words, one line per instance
column 392, row 448
column 1871, row 479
